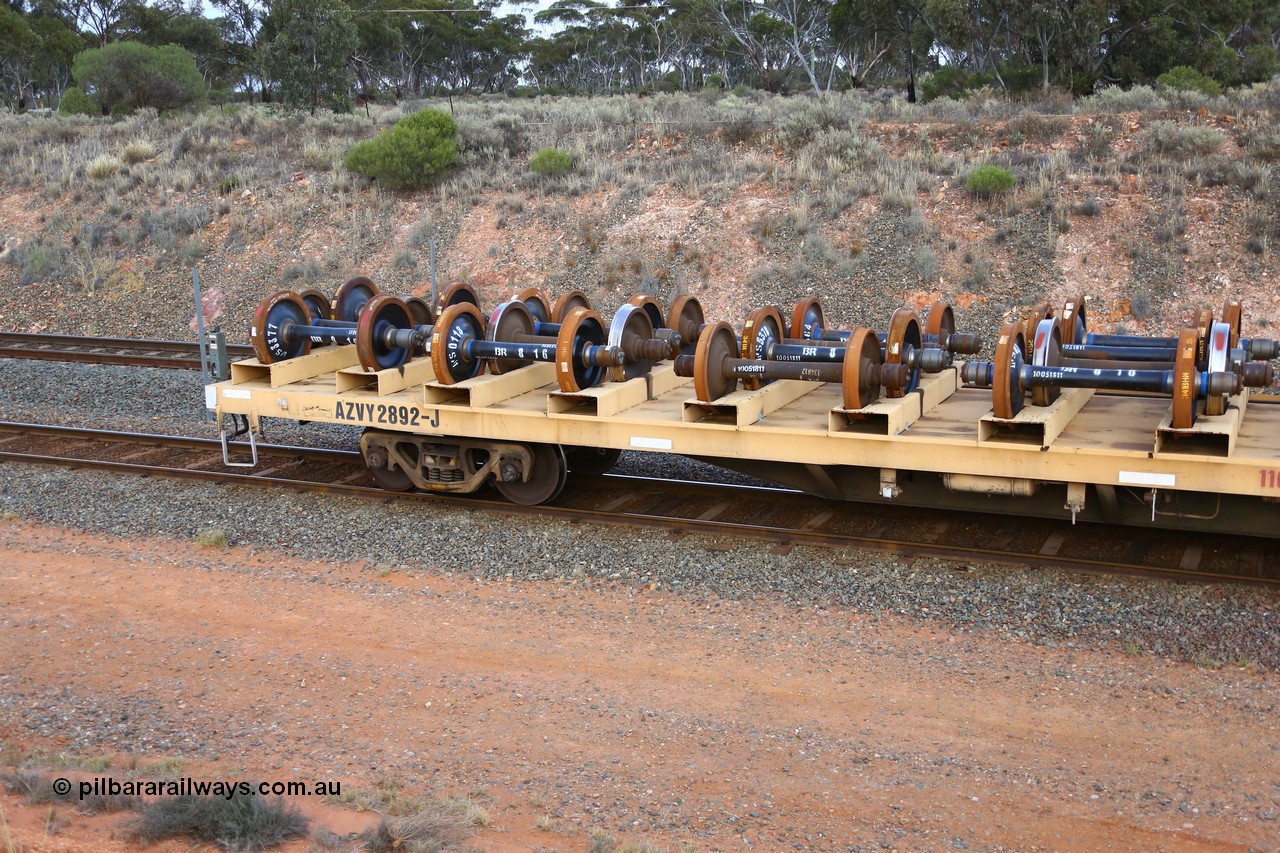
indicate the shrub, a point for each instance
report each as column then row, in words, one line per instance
column 239, row 823
column 504, row 132
column 1188, row 79
column 39, row 261
column 1091, row 206
column 926, row 264
column 551, row 161
column 949, row 81
column 76, row 103
column 800, row 127
column 1167, row 137
column 986, row 181
column 102, row 167
column 137, row 151
column 1114, row 99
column 736, row 119
column 211, row 539
column 1261, row 62
column 410, row 154
column 435, row 827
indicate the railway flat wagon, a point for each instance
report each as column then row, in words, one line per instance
column 1185, row 446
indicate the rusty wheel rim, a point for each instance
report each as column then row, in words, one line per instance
column 1006, row 391
column 1039, row 312
column 319, row 307
column 716, row 343
column 862, row 360
column 269, row 330
column 456, row 293
column 566, row 304
column 941, row 323
column 1074, row 322
column 1184, row 381
column 650, row 306
column 582, row 328
column 686, row 317
column 806, row 319
column 762, row 328
column 904, row 332
column 537, row 301
column 351, row 298
column 1204, row 323
column 1232, row 316
column 454, row 326
column 317, row 304
column 419, row 309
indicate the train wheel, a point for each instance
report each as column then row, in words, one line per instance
column 715, row 344
column 268, row 333
column 806, row 319
column 455, row 293
column 550, row 470
column 862, row 360
column 391, row 479
column 1007, row 395
column 567, row 304
column 352, row 297
column 1075, row 322
column 904, row 333
column 763, row 327
column 1046, row 350
column 651, row 307
column 1185, row 381
column 537, row 301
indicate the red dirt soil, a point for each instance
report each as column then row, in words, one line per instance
column 655, row 717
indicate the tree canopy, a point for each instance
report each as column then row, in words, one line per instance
column 318, row 54
column 126, row 75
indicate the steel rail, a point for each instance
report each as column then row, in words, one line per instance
column 135, row 352
column 11, row 432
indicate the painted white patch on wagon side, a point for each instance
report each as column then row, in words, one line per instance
column 211, row 396
column 651, row 443
column 236, row 394
column 1146, row 478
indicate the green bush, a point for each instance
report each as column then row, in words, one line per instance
column 76, row 103
column 410, row 154
column 551, row 161
column 1188, row 79
column 1261, row 62
column 949, row 81
column 986, row 181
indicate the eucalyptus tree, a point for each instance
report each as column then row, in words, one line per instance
column 310, row 54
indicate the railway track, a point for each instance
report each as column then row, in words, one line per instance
column 779, row 518
column 128, row 351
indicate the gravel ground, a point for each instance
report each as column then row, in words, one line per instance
column 1236, row 625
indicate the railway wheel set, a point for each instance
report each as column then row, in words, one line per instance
column 453, row 396
column 461, row 340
